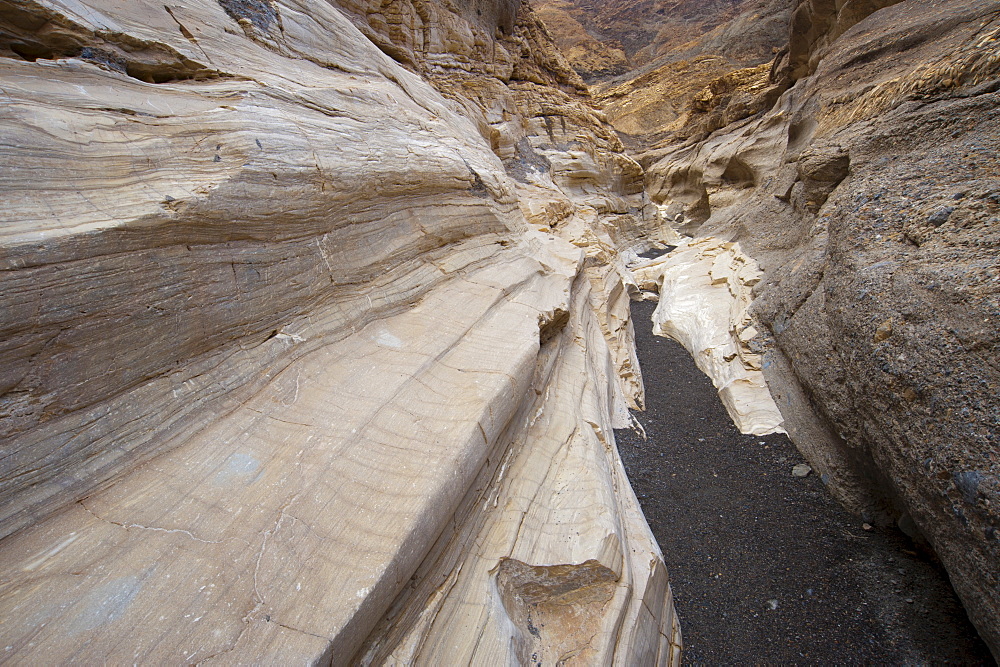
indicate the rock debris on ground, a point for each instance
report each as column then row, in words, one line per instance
column 766, row 567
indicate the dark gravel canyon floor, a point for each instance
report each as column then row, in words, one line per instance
column 767, row 568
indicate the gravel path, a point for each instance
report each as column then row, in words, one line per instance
column 767, row 568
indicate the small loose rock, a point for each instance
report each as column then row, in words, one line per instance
column 801, row 470
column 939, row 217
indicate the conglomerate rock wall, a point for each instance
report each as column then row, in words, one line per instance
column 314, row 340
column 869, row 193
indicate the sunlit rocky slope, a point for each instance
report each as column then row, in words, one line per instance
column 659, row 68
column 314, row 338
column 602, row 38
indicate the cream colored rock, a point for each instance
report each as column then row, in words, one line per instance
column 287, row 374
column 704, row 295
column 561, row 474
column 176, row 238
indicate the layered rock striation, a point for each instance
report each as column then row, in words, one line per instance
column 867, row 190
column 683, row 60
column 314, row 340
column 613, row 37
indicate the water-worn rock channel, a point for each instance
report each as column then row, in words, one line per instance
column 314, row 328
column 766, row 567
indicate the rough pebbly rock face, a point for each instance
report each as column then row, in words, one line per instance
column 308, row 350
column 869, row 195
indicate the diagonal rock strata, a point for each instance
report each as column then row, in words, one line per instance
column 561, row 474
column 295, row 358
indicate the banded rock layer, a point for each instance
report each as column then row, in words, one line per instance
column 304, row 357
column 680, row 61
column 611, row 37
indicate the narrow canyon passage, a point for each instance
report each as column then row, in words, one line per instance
column 314, row 323
column 767, row 567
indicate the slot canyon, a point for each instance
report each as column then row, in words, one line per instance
column 440, row 332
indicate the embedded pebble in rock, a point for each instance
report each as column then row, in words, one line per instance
column 941, row 216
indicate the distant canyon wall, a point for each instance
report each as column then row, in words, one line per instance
column 659, row 69
column 616, row 37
